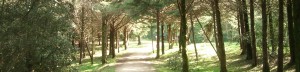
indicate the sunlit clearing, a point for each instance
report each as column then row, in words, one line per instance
column 205, row 50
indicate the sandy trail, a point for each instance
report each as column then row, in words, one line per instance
column 135, row 60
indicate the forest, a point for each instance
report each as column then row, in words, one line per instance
column 149, row 36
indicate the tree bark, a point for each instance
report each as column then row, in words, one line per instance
column 125, row 40
column 99, row 38
column 296, row 10
column 215, row 25
column 104, row 40
column 220, row 49
column 82, row 36
column 266, row 67
column 151, row 29
column 93, row 41
column 242, row 27
column 291, row 32
column 139, row 40
column 112, row 41
column 271, row 30
column 280, row 38
column 183, row 33
column 247, row 33
column 89, row 52
column 157, row 36
column 193, row 31
column 117, row 41
column 170, row 36
column 253, row 38
column 162, row 39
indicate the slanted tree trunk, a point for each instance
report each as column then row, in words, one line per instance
column 266, row 67
column 253, row 39
column 89, row 52
column 291, row 33
column 183, row 38
column 193, row 31
column 280, row 38
column 220, row 49
column 157, row 36
column 104, row 40
column 296, row 10
column 162, row 39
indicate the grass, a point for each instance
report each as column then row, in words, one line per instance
column 208, row 61
column 97, row 66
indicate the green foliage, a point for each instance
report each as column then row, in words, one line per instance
column 174, row 62
column 35, row 35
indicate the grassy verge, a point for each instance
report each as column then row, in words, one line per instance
column 87, row 66
column 208, row 61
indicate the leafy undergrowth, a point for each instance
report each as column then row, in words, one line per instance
column 208, row 60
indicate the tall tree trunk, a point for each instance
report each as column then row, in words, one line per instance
column 271, row 30
column 183, row 38
column 266, row 67
column 162, row 39
column 193, row 31
column 215, row 25
column 151, row 29
column 280, row 38
column 169, row 36
column 139, row 40
column 220, row 49
column 82, row 36
column 291, row 32
column 99, row 38
column 117, row 41
column 242, row 27
column 93, row 41
column 247, row 33
column 125, row 40
column 157, row 36
column 104, row 40
column 296, row 10
column 112, row 41
column 253, row 39
column 93, row 45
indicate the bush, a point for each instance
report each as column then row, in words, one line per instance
column 35, row 36
column 174, row 62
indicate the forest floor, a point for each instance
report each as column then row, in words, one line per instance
column 140, row 58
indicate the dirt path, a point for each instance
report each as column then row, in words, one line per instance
column 135, row 60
